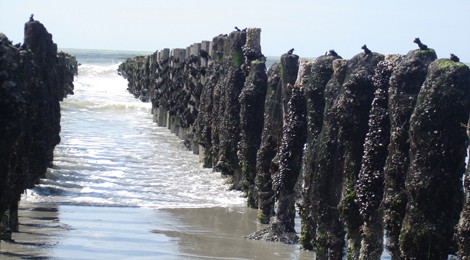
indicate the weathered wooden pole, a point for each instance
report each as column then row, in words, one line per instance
column 252, row 99
column 314, row 85
column 369, row 186
column 228, row 117
column 437, row 158
column 290, row 154
column 352, row 109
column 34, row 77
column 266, row 163
column 329, row 236
column 405, row 83
column 463, row 229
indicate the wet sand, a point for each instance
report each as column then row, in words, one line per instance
column 86, row 232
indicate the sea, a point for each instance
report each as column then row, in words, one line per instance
column 123, row 188
column 112, row 154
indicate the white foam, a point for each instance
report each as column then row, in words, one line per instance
column 112, row 154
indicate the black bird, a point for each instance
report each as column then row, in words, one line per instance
column 244, row 30
column 333, row 53
column 420, row 44
column 193, row 59
column 454, row 58
column 31, row 18
column 204, row 54
column 366, row 50
column 236, row 28
column 290, row 51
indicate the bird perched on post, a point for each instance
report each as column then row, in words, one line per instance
column 333, row 53
column 454, row 58
column 420, row 44
column 366, row 50
column 204, row 54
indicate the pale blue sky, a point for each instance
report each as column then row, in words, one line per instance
column 310, row 26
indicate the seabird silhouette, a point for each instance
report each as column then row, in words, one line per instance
column 454, row 58
column 236, row 28
column 366, row 50
column 333, row 53
column 420, row 44
column 290, row 51
column 204, row 54
column 31, row 18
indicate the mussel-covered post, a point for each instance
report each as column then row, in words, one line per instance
column 266, row 163
column 34, row 77
column 314, row 84
column 329, row 238
column 463, row 229
column 437, row 158
column 405, row 83
column 228, row 117
column 289, row 155
column 369, row 186
column 207, row 129
column 352, row 112
column 251, row 125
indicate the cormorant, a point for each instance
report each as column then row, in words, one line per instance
column 31, row 18
column 366, row 50
column 244, row 30
column 333, row 53
column 290, row 51
column 420, row 44
column 236, row 28
column 454, row 58
column 204, row 54
column 193, row 59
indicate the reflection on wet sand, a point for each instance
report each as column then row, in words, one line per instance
column 40, row 231
column 219, row 233
column 84, row 232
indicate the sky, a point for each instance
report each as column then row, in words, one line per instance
column 312, row 27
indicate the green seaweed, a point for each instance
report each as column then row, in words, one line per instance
column 237, row 58
column 445, row 63
column 427, row 51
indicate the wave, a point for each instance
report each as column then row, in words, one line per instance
column 98, row 87
column 97, row 106
column 98, row 69
column 112, row 154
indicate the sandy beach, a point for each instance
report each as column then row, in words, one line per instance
column 84, row 232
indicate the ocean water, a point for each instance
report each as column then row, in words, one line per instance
column 112, row 154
